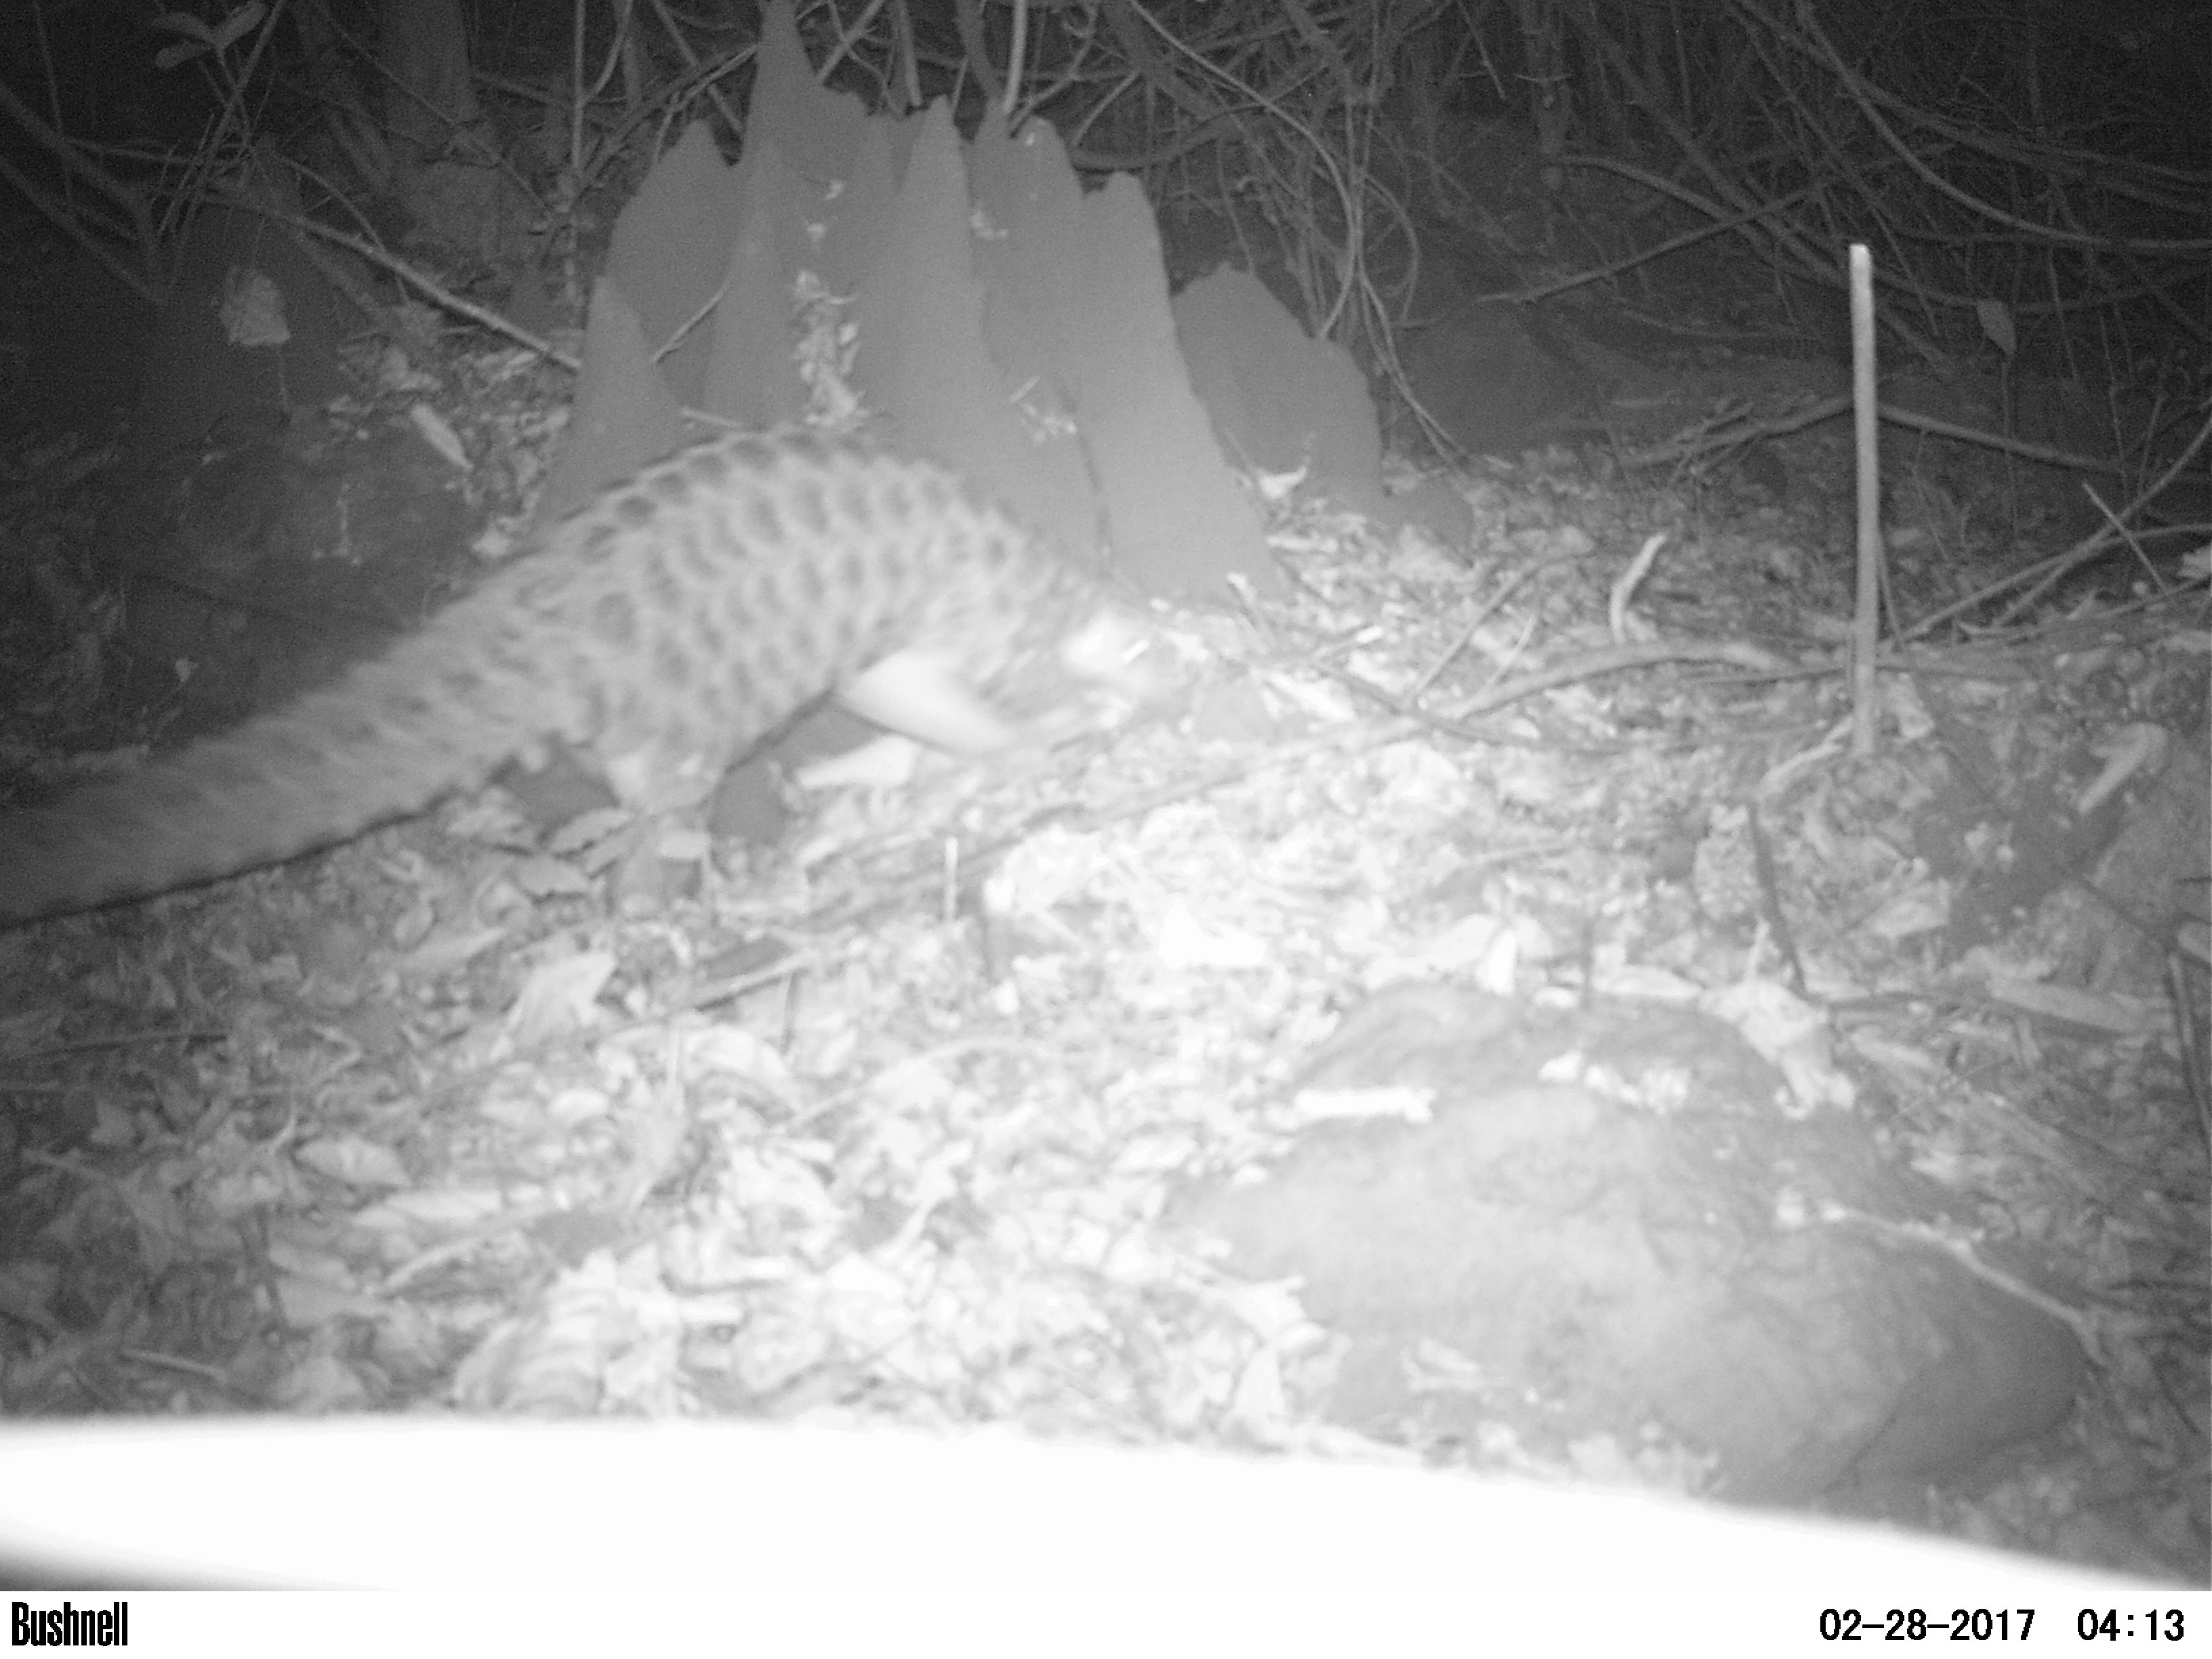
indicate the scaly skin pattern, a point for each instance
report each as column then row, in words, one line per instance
column 665, row 628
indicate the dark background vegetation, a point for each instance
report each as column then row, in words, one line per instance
column 2032, row 177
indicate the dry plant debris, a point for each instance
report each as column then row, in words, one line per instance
column 886, row 1123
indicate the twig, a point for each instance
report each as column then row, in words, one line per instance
column 2081, row 553
column 407, row 274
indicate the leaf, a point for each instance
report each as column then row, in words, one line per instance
column 1996, row 323
column 246, row 17
column 354, row 1160
column 183, row 23
column 560, row 996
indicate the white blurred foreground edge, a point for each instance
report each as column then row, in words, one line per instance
column 445, row 1504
